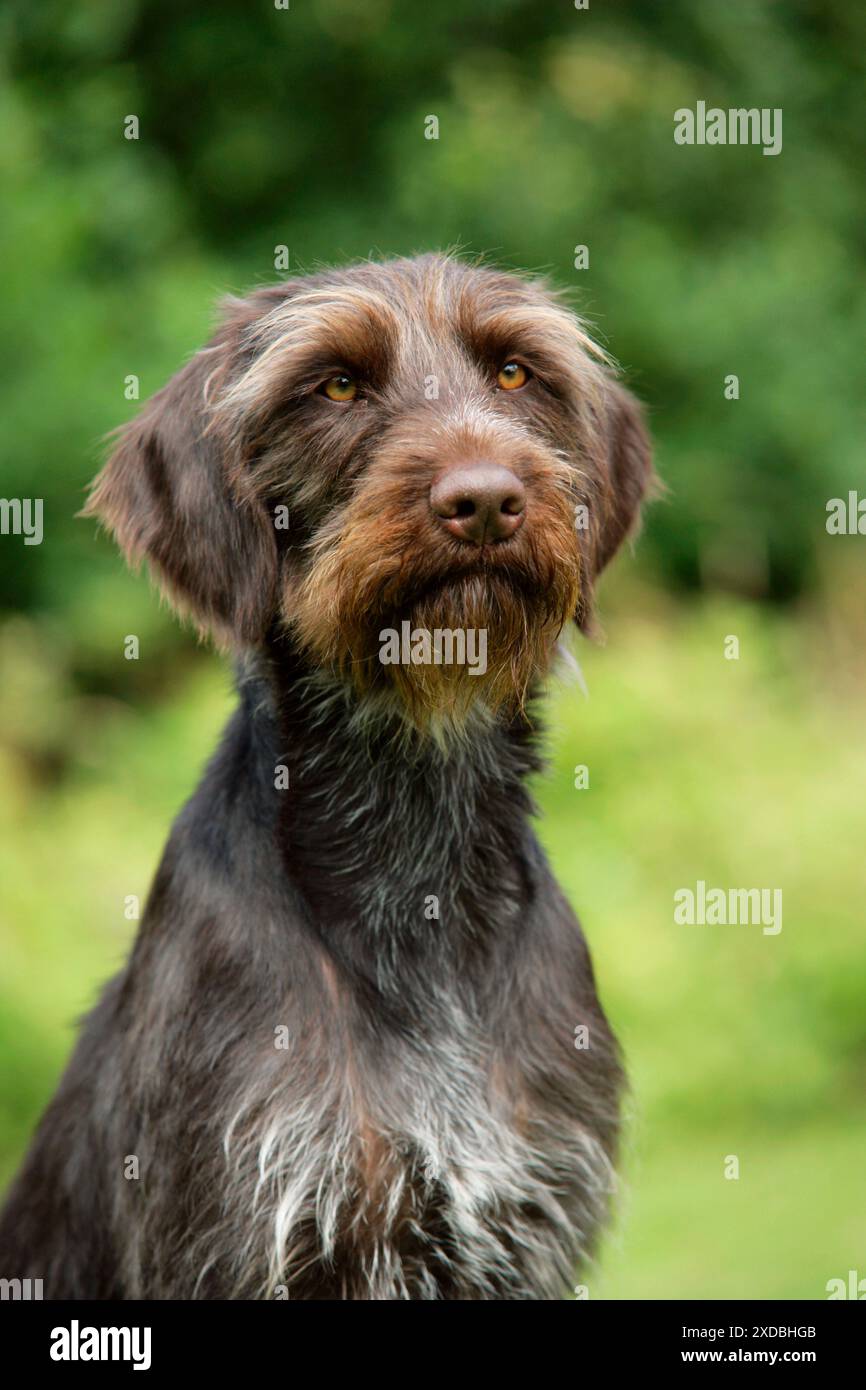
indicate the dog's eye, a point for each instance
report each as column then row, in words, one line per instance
column 512, row 376
column 339, row 388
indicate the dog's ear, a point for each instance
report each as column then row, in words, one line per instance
column 625, row 466
column 629, row 471
column 167, row 494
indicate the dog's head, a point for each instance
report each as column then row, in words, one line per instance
column 421, row 442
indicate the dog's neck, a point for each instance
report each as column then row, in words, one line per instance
column 422, row 845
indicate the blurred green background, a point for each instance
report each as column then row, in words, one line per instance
column 305, row 128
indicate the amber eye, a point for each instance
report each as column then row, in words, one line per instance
column 340, row 388
column 512, row 376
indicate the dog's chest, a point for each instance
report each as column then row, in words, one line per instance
column 420, row 1179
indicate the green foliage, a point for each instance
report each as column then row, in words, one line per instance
column 745, row 772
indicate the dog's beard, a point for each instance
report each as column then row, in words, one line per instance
column 492, row 641
column 498, row 623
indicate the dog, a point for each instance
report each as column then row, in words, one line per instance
column 341, row 1062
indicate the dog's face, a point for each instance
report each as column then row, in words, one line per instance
column 422, row 441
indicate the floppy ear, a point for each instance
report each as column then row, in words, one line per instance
column 626, row 478
column 629, row 471
column 167, row 495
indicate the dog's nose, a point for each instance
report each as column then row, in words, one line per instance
column 479, row 502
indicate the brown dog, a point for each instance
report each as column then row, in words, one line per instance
column 342, row 1052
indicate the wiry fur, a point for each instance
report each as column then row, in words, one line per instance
column 430, row 1129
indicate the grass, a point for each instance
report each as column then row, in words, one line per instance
column 744, row 773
